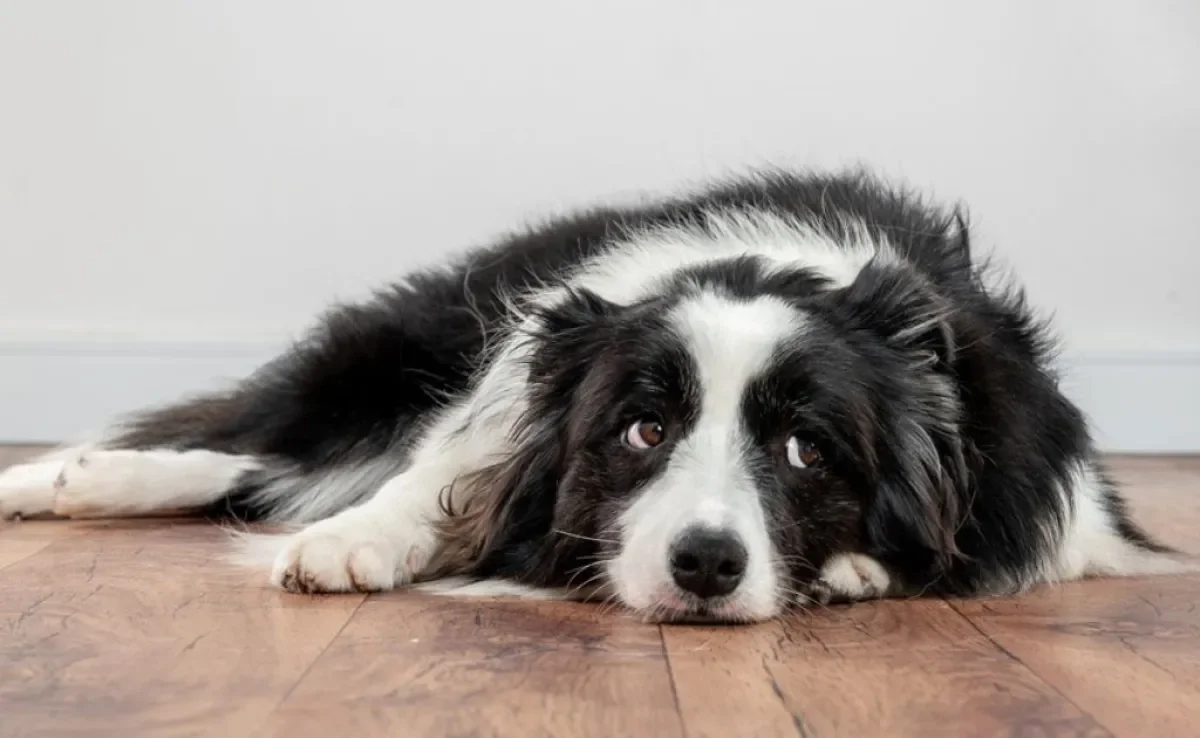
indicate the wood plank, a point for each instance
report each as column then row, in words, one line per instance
column 21, row 540
column 878, row 669
column 1125, row 650
column 421, row 665
column 1128, row 652
column 138, row 629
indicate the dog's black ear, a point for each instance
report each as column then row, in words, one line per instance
column 921, row 481
column 567, row 335
column 577, row 310
column 920, row 498
column 497, row 518
column 512, row 520
column 506, row 523
column 957, row 235
column 899, row 305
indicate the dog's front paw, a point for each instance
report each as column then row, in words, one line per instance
column 849, row 578
column 350, row 552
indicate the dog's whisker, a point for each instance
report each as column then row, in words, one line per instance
column 581, row 537
column 596, row 576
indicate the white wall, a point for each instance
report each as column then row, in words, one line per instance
column 183, row 184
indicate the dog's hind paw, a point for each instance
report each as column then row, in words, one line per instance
column 29, row 490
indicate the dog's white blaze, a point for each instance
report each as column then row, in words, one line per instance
column 707, row 481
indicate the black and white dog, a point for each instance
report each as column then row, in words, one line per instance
column 783, row 389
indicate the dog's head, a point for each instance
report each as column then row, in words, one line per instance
column 701, row 453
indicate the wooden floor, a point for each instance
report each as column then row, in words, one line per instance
column 137, row 628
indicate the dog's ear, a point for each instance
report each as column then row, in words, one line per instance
column 567, row 334
column 921, row 480
column 504, row 526
column 506, row 521
column 899, row 305
column 920, row 498
column 508, row 524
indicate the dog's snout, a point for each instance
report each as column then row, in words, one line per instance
column 708, row 562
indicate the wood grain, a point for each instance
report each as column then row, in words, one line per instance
column 1126, row 650
column 136, row 629
column 462, row 667
column 873, row 669
column 118, row 627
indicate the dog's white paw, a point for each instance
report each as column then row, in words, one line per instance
column 849, row 578
column 81, row 482
column 29, row 490
column 351, row 552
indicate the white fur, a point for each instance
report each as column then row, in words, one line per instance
column 642, row 260
column 706, row 482
column 82, row 482
column 354, row 550
column 28, row 490
column 293, row 496
column 659, row 253
column 855, row 577
column 1090, row 545
column 459, row 587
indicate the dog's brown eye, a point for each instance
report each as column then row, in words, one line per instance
column 803, row 454
column 644, row 434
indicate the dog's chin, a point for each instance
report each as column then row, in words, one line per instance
column 684, row 609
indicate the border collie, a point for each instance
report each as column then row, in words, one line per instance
column 784, row 389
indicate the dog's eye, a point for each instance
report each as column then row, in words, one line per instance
column 803, row 454
column 645, row 433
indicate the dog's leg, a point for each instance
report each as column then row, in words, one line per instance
column 388, row 539
column 83, row 482
column 382, row 543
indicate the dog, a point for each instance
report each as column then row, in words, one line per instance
column 780, row 389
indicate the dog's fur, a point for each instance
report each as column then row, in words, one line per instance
column 837, row 405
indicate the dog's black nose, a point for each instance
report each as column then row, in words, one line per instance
column 708, row 562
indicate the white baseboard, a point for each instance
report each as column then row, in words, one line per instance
column 1138, row 402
